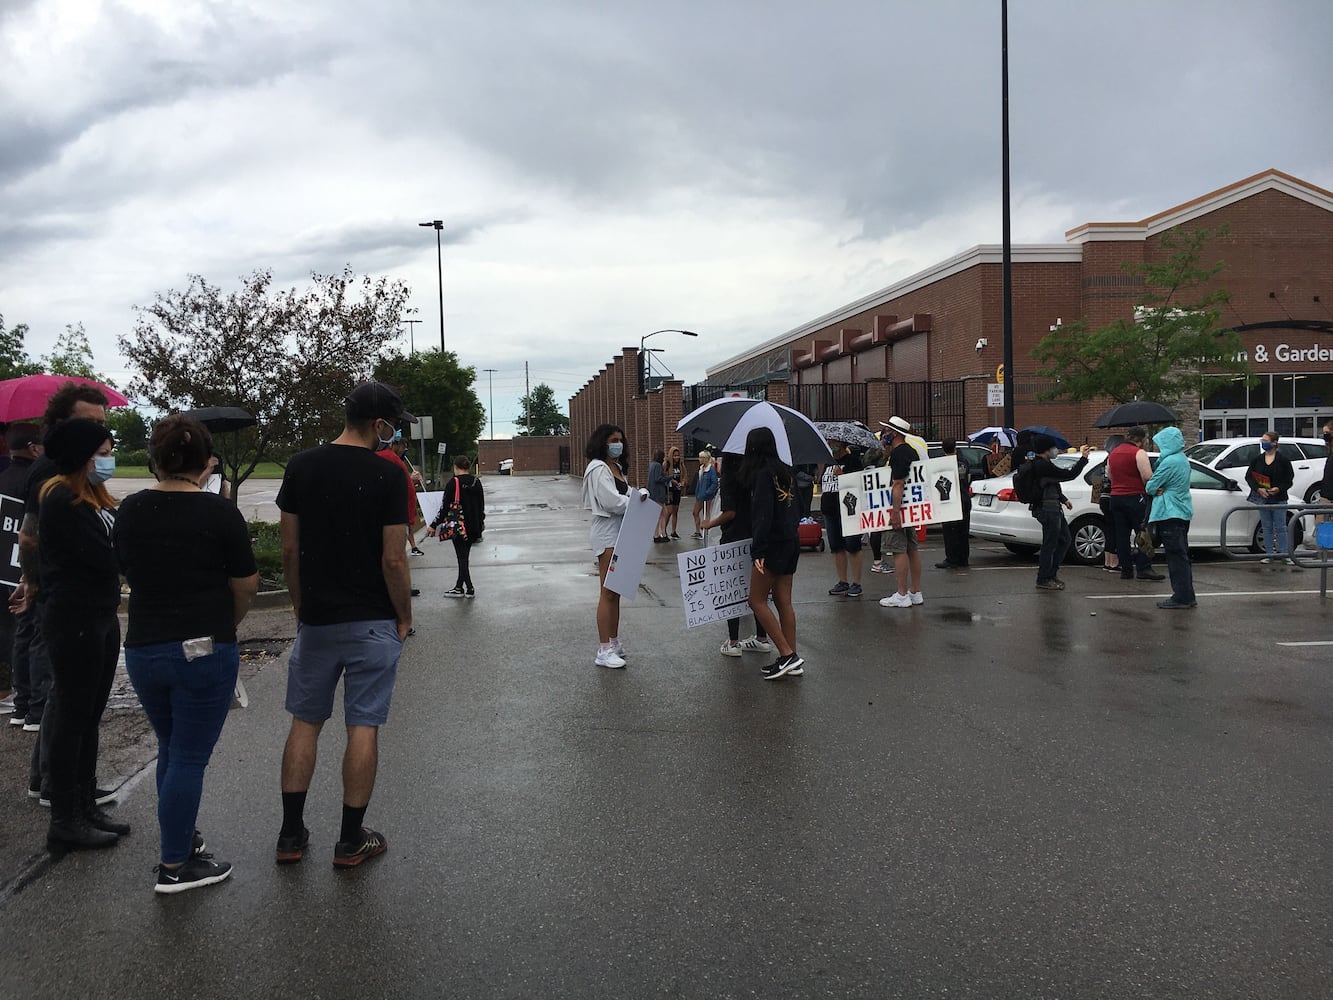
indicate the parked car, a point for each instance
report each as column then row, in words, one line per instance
column 975, row 455
column 1232, row 457
column 998, row 516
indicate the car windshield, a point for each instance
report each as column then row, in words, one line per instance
column 1205, row 453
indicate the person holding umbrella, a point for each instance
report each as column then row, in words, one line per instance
column 774, row 546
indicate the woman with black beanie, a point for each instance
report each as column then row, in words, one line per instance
column 79, row 623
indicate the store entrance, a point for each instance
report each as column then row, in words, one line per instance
column 1292, row 405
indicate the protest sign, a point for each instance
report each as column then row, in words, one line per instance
column 11, row 516
column 715, row 582
column 632, row 544
column 930, row 496
column 430, row 505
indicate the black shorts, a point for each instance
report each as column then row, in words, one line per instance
column 781, row 560
column 837, row 542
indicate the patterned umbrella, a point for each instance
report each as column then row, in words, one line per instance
column 850, row 432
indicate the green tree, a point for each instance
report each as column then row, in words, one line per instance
column 73, row 355
column 435, row 384
column 129, row 427
column 541, row 415
column 1162, row 352
column 288, row 356
column 14, row 360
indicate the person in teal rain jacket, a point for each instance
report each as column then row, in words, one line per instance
column 1172, row 510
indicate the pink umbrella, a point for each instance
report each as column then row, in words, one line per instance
column 26, row 398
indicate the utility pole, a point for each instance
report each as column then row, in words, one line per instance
column 1006, row 262
column 411, row 335
column 490, row 410
column 527, row 406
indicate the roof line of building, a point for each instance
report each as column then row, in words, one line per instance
column 984, row 253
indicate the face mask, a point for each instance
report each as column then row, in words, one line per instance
column 104, row 467
column 383, row 442
column 1266, row 445
column 615, row 449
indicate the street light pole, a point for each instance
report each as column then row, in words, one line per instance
column 490, row 410
column 1006, row 261
column 438, row 226
column 411, row 335
column 643, row 356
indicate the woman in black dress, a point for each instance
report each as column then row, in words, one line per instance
column 466, row 490
column 775, row 513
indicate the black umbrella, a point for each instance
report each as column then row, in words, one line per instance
column 1141, row 411
column 221, row 418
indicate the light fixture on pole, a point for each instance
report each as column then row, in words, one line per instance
column 490, row 410
column 645, row 358
column 411, row 334
column 438, row 226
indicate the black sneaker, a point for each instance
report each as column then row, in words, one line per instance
column 194, row 874
column 456, row 592
column 349, row 855
column 782, row 666
column 102, row 796
column 471, row 592
column 292, row 849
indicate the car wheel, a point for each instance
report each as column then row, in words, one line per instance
column 1022, row 550
column 1312, row 494
column 1089, row 540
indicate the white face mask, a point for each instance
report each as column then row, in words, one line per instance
column 383, row 442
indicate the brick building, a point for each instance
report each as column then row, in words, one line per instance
column 531, row 455
column 927, row 346
column 926, row 328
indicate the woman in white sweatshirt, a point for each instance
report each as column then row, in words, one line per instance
column 606, row 493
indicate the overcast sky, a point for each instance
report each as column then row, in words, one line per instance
column 734, row 167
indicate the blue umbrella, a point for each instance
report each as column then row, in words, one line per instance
column 1060, row 440
column 986, row 435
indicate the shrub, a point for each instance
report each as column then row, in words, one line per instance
column 266, row 541
column 133, row 458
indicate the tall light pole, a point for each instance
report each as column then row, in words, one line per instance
column 438, row 226
column 490, row 410
column 644, row 357
column 1006, row 263
column 411, row 335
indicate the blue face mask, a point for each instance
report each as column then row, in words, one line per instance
column 104, row 467
column 615, row 449
column 1266, row 445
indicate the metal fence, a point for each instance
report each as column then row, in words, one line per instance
column 837, row 401
column 936, row 410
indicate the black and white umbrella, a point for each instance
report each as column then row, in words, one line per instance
column 725, row 423
column 850, row 432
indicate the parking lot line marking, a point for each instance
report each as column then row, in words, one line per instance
column 1220, row 593
column 1325, row 642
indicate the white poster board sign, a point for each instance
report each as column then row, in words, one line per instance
column 715, row 582
column 632, row 545
column 430, row 505
column 930, row 496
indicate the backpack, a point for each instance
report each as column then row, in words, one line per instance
column 1026, row 488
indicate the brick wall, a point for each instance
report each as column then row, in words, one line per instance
column 531, row 455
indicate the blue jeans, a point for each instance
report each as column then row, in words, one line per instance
column 1055, row 541
column 1176, row 543
column 187, row 703
column 1273, row 518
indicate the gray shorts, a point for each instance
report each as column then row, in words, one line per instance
column 365, row 654
column 900, row 540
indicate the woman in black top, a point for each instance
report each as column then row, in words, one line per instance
column 734, row 519
column 186, row 553
column 774, row 545
column 1270, row 476
column 465, row 490
column 79, row 623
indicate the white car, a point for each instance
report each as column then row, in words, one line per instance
column 1232, row 457
column 998, row 516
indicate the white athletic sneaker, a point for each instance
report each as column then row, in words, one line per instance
column 619, row 649
column 916, row 597
column 895, row 601
column 730, row 648
column 754, row 644
column 608, row 658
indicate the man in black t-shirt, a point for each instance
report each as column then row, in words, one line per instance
column 344, row 514
column 846, row 549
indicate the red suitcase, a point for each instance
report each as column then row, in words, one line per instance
column 811, row 535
